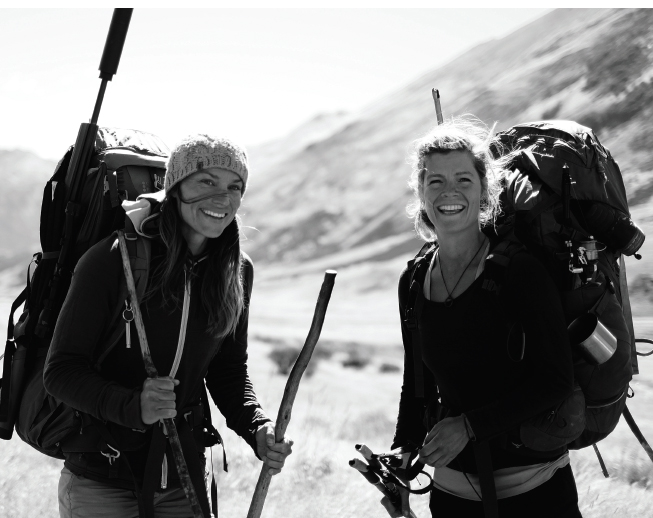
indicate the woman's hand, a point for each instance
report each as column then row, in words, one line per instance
column 445, row 440
column 158, row 399
column 272, row 453
column 405, row 506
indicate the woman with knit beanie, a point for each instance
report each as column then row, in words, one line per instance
column 195, row 312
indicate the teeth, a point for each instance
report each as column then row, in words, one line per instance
column 451, row 207
column 213, row 214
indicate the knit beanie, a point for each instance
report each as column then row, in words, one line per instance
column 197, row 152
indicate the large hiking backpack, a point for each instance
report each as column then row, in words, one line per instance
column 124, row 164
column 565, row 203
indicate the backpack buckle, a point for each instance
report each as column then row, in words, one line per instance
column 112, row 455
column 410, row 319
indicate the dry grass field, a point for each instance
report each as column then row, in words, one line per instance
column 338, row 407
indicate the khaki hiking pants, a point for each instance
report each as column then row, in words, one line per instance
column 81, row 497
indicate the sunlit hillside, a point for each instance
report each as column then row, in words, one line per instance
column 349, row 189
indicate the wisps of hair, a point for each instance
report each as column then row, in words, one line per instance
column 463, row 133
column 221, row 283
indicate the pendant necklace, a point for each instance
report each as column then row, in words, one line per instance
column 448, row 302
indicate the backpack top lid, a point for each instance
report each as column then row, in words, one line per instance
column 549, row 145
column 116, row 157
column 140, row 142
column 569, row 131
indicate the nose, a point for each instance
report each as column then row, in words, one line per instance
column 220, row 197
column 450, row 189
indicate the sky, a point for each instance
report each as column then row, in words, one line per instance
column 250, row 74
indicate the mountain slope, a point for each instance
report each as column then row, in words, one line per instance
column 348, row 189
column 22, row 176
column 339, row 181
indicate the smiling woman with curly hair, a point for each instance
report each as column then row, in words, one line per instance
column 458, row 365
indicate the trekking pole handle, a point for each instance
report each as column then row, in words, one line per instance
column 289, row 393
column 438, row 108
column 392, row 493
column 115, row 42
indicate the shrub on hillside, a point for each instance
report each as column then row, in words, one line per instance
column 642, row 285
column 285, row 356
column 389, row 367
column 355, row 360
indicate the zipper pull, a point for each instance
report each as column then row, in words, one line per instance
column 128, row 316
column 164, row 472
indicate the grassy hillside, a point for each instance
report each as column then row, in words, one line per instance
column 335, row 409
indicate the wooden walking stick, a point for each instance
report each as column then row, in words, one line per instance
column 285, row 409
column 171, row 428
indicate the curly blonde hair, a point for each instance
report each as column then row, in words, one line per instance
column 464, row 133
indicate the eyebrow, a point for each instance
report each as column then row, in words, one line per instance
column 442, row 174
column 216, row 176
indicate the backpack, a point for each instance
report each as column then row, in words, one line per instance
column 566, row 203
column 124, row 164
column 564, row 194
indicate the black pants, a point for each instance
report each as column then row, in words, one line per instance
column 556, row 498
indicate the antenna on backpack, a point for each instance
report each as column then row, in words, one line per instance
column 112, row 52
column 79, row 164
column 438, row 108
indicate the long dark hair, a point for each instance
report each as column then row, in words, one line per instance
column 221, row 283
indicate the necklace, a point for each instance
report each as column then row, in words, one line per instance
column 448, row 302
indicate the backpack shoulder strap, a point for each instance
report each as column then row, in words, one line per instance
column 248, row 276
column 413, row 309
column 497, row 261
column 496, row 272
column 140, row 255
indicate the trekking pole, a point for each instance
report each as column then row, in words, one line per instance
column 79, row 164
column 637, row 432
column 289, row 393
column 169, row 423
column 438, row 108
column 373, row 478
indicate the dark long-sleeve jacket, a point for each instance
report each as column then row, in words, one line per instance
column 465, row 353
column 111, row 393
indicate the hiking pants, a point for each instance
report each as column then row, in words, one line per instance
column 80, row 497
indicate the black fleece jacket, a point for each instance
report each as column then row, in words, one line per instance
column 465, row 354
column 111, row 393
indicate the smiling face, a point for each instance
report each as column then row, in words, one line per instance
column 218, row 193
column 452, row 191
